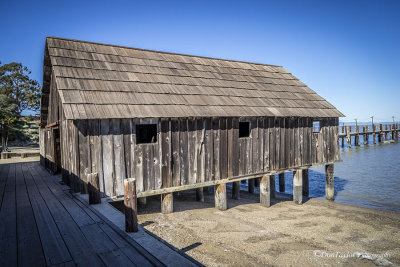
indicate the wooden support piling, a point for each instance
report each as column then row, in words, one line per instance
column 298, row 186
column 282, row 182
column 385, row 134
column 374, row 130
column 348, row 136
column 357, row 136
column 380, row 134
column 366, row 136
column 330, row 182
column 393, row 131
column 220, row 196
column 200, row 194
column 94, row 188
column 266, row 190
column 343, row 131
column 250, row 184
column 306, row 188
column 236, row 190
column 142, row 201
column 167, row 203
column 272, row 186
column 130, row 205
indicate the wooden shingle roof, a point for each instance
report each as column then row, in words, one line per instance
column 105, row 81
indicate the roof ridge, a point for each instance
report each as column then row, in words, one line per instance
column 163, row 52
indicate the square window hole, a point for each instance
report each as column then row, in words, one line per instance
column 146, row 133
column 244, row 129
column 316, row 126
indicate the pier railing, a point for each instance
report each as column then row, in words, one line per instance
column 379, row 134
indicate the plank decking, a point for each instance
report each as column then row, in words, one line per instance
column 43, row 225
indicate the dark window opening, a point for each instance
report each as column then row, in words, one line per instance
column 244, row 129
column 146, row 133
column 316, row 126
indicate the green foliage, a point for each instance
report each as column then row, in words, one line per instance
column 8, row 109
column 23, row 132
column 16, row 85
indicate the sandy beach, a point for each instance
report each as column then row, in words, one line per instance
column 317, row 233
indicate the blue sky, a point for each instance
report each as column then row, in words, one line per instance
column 347, row 51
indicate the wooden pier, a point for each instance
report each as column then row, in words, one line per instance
column 41, row 224
column 379, row 134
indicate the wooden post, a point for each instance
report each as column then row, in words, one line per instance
column 393, row 131
column 272, row 185
column 265, row 190
column 5, row 155
column 348, row 130
column 200, row 194
column 220, row 197
column 250, row 184
column 357, row 136
column 306, row 187
column 366, row 137
column 282, row 182
column 236, row 190
column 330, row 181
column 298, row 186
column 94, row 188
column 142, row 201
column 167, row 203
column 23, row 155
column 374, row 134
column 380, row 134
column 130, row 203
column 386, row 133
column 343, row 131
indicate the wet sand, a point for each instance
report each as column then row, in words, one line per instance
column 317, row 233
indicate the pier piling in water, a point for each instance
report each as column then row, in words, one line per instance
column 348, row 131
column 357, row 136
column 380, row 134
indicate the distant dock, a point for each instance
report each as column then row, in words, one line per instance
column 379, row 134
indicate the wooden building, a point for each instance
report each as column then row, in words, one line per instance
column 176, row 121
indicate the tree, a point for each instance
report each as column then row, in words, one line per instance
column 8, row 109
column 8, row 114
column 17, row 86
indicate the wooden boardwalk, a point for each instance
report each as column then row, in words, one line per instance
column 43, row 225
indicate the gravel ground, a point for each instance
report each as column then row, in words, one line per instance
column 316, row 233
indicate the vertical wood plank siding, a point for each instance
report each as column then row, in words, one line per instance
column 191, row 151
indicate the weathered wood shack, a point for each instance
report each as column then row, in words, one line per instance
column 175, row 121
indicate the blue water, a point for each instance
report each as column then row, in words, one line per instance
column 368, row 176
